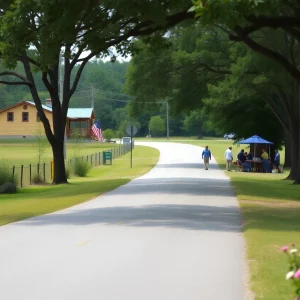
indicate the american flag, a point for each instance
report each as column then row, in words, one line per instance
column 97, row 131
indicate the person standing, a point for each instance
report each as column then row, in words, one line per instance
column 277, row 161
column 265, row 159
column 206, row 156
column 229, row 158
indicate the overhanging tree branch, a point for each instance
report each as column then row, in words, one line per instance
column 11, row 73
column 16, row 82
column 259, row 22
column 267, row 52
column 79, row 72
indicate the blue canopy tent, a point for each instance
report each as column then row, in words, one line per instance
column 255, row 139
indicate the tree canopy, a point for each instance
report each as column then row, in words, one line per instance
column 37, row 34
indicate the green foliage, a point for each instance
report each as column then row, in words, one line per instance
column 157, row 126
column 234, row 12
column 119, row 134
column 108, row 134
column 195, row 122
column 68, row 172
column 180, row 73
column 81, row 168
column 6, row 174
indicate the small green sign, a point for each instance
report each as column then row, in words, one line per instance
column 107, row 157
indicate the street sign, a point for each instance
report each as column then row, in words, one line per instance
column 131, row 130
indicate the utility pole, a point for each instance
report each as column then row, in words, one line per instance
column 61, row 87
column 93, row 101
column 168, row 131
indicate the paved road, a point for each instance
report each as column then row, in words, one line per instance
column 172, row 234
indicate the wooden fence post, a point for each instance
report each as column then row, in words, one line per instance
column 30, row 174
column 44, row 171
column 13, row 172
column 22, row 175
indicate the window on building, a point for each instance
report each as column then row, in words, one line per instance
column 25, row 117
column 10, row 116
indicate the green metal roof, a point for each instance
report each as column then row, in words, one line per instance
column 80, row 113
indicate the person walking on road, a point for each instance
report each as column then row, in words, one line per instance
column 206, row 156
column 229, row 158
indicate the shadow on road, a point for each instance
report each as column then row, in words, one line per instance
column 176, row 186
column 191, row 217
column 199, row 166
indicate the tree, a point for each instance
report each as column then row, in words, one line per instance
column 195, row 121
column 157, row 126
column 37, row 34
column 108, row 134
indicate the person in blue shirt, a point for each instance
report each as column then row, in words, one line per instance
column 206, row 156
column 277, row 160
column 242, row 160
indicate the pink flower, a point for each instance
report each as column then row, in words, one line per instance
column 284, row 248
column 297, row 274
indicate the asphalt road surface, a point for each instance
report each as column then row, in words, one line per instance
column 172, row 234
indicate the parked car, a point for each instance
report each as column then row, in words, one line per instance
column 229, row 136
column 126, row 140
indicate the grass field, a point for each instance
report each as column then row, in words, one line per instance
column 35, row 201
column 19, row 152
column 271, row 214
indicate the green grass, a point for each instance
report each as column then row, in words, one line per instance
column 17, row 153
column 40, row 200
column 271, row 215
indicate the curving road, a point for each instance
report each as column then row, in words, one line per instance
column 172, row 234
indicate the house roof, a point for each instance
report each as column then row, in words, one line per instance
column 45, row 107
column 80, row 113
column 73, row 113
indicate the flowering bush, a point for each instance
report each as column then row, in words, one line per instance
column 294, row 269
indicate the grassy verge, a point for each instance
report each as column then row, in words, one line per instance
column 40, row 200
column 271, row 212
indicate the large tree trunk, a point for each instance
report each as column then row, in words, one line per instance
column 296, row 174
column 287, row 156
column 59, row 162
column 59, row 123
column 294, row 143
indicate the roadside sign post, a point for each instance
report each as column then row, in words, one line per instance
column 131, row 130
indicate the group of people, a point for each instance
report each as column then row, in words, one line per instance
column 246, row 160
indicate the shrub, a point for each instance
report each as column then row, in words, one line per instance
column 37, row 179
column 6, row 175
column 68, row 172
column 81, row 168
column 294, row 267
